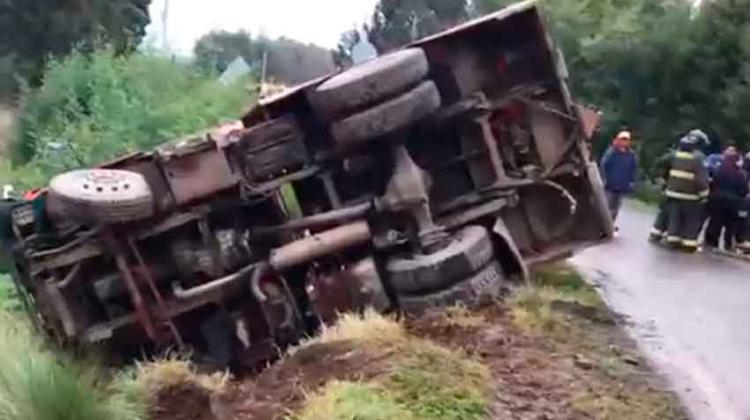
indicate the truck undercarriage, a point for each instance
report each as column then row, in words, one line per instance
column 427, row 177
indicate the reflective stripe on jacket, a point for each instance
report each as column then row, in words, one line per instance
column 687, row 177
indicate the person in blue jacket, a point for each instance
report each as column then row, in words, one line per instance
column 619, row 166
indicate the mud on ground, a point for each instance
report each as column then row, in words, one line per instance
column 549, row 355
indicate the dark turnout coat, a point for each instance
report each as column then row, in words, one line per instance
column 687, row 178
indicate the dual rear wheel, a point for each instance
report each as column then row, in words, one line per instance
column 463, row 272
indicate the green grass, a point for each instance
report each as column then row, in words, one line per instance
column 433, row 382
column 565, row 310
column 8, row 297
column 532, row 305
column 422, row 381
column 93, row 106
column 39, row 384
column 341, row 400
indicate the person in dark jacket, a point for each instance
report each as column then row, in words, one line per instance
column 680, row 217
column 619, row 166
column 728, row 190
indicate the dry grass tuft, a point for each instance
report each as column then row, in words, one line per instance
column 339, row 400
column 174, row 370
column 462, row 317
column 367, row 330
column 419, row 379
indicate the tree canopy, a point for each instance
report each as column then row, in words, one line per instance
column 288, row 61
column 397, row 22
column 32, row 31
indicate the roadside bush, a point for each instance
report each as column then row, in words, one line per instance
column 648, row 192
column 9, row 300
column 91, row 107
column 37, row 384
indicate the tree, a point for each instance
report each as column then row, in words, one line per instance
column 93, row 106
column 342, row 55
column 216, row 50
column 398, row 22
column 288, row 61
column 31, row 31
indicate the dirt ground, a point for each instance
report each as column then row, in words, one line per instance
column 578, row 366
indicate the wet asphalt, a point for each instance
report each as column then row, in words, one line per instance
column 689, row 313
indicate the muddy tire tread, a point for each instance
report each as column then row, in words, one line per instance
column 482, row 287
column 470, row 250
column 387, row 117
column 369, row 83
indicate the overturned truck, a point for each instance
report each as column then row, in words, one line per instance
column 426, row 177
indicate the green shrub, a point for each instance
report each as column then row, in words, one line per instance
column 9, row 300
column 37, row 384
column 648, row 192
column 94, row 106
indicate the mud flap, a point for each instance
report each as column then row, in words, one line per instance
column 599, row 200
column 509, row 250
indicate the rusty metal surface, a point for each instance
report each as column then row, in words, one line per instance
column 198, row 174
column 354, row 288
column 549, row 135
column 141, row 310
column 147, row 165
column 146, row 273
column 590, row 120
column 487, row 168
column 320, row 244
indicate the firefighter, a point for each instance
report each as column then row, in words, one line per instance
column 680, row 218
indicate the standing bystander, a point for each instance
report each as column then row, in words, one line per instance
column 619, row 166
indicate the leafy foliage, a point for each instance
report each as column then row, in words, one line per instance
column 216, row 50
column 342, row 55
column 9, row 300
column 30, row 31
column 92, row 107
column 398, row 22
column 288, row 61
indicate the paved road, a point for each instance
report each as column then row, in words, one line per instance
column 691, row 313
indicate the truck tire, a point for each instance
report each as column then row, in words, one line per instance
column 387, row 117
column 482, row 287
column 104, row 195
column 369, row 83
column 470, row 250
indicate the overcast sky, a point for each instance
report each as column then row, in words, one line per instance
column 312, row 21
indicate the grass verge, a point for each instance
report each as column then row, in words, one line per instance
column 562, row 309
column 409, row 386
column 9, row 301
column 545, row 305
column 551, row 350
column 39, row 384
